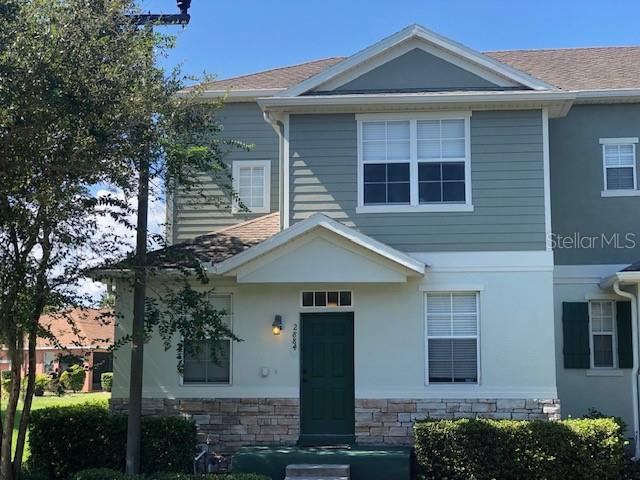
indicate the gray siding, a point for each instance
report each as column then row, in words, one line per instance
column 244, row 122
column 577, row 180
column 507, row 184
column 416, row 70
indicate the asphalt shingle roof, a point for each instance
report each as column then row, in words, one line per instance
column 215, row 247
column 599, row 68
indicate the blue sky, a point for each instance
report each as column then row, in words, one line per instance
column 232, row 37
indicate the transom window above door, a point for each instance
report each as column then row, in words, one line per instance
column 251, row 185
column 414, row 163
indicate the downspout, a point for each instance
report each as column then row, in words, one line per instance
column 634, row 371
column 278, row 126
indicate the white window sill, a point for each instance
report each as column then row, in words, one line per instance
column 604, row 372
column 451, row 207
column 620, row 193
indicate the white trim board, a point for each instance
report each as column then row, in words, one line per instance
column 405, row 47
column 518, row 261
column 469, row 56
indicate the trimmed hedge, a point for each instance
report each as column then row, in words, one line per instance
column 483, row 449
column 66, row 440
column 107, row 474
column 73, row 378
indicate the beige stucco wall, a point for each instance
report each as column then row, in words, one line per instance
column 516, row 337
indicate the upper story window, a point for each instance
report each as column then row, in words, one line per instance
column 414, row 163
column 209, row 361
column 619, row 166
column 452, row 320
column 602, row 336
column 251, row 183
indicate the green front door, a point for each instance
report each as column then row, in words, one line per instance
column 327, row 405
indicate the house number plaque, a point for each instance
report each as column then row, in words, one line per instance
column 294, row 337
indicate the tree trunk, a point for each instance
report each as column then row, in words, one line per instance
column 137, row 347
column 26, row 408
column 16, row 356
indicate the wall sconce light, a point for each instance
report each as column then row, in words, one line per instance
column 277, row 325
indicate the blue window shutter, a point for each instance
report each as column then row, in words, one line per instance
column 625, row 346
column 575, row 334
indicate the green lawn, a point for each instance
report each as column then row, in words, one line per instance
column 54, row 401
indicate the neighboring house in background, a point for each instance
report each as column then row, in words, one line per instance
column 83, row 336
column 429, row 254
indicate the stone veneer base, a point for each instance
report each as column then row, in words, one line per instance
column 230, row 423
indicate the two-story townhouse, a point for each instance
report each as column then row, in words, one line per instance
column 396, row 261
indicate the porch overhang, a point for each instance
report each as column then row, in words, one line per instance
column 321, row 250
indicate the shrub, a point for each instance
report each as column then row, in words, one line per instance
column 42, row 384
column 73, row 378
column 106, row 474
column 486, row 449
column 66, row 440
column 106, row 381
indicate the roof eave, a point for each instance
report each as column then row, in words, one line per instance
column 559, row 101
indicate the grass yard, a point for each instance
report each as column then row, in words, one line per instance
column 55, row 401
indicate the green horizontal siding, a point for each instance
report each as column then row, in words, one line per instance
column 508, row 185
column 191, row 216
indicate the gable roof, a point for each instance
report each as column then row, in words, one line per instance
column 320, row 221
column 569, row 69
column 482, row 65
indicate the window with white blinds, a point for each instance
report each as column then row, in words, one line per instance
column 414, row 162
column 208, row 361
column 602, row 320
column 251, row 181
column 619, row 163
column 452, row 337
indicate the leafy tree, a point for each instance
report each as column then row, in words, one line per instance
column 82, row 104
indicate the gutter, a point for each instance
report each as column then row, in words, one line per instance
column 279, row 128
column 634, row 371
column 415, row 98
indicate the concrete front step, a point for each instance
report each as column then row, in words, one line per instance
column 309, row 471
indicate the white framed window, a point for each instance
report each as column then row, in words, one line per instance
column 201, row 367
column 452, row 326
column 619, row 166
column 602, row 336
column 419, row 162
column 252, row 185
column 326, row 299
